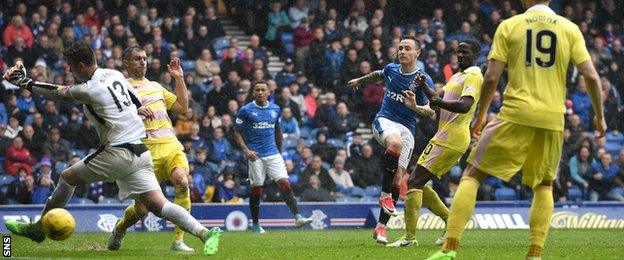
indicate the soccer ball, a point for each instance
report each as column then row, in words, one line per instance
column 58, row 224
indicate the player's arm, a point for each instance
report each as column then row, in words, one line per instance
column 17, row 76
column 278, row 136
column 409, row 99
column 181, row 103
column 492, row 75
column 372, row 77
column 461, row 106
column 594, row 90
column 239, row 136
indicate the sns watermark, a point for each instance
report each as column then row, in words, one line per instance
column 6, row 246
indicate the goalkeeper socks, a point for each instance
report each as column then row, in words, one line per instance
column 413, row 203
column 539, row 218
column 389, row 165
column 254, row 202
column 60, row 196
column 461, row 210
column 129, row 218
column 431, row 199
column 183, row 219
column 288, row 196
column 182, row 198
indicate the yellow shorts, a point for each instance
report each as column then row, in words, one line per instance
column 166, row 157
column 505, row 147
column 438, row 159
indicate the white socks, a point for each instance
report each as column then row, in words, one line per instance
column 182, row 218
column 60, row 196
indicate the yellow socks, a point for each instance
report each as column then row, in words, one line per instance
column 129, row 218
column 413, row 203
column 182, row 198
column 461, row 210
column 432, row 201
column 539, row 218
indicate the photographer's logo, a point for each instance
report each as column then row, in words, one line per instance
column 6, row 246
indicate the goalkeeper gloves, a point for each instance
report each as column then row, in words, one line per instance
column 19, row 78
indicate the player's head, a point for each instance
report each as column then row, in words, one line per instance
column 467, row 53
column 529, row 3
column 261, row 91
column 81, row 60
column 135, row 61
column 409, row 50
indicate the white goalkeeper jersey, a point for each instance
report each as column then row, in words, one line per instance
column 109, row 102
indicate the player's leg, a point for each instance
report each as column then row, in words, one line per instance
column 277, row 172
column 182, row 198
column 539, row 172
column 256, row 172
column 132, row 214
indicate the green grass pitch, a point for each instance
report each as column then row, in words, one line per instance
column 331, row 244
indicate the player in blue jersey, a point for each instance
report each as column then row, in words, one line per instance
column 259, row 135
column 395, row 124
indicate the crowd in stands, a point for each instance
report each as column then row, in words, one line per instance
column 323, row 43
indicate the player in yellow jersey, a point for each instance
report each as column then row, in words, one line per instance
column 457, row 105
column 170, row 162
column 527, row 134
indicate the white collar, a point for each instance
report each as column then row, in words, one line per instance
column 409, row 73
column 540, row 7
column 267, row 105
column 472, row 69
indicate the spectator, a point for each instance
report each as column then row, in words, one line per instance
column 22, row 189
column 297, row 13
column 44, row 183
column 213, row 23
column 316, row 169
column 355, row 147
column 287, row 75
column 343, row 122
column 227, row 188
column 43, row 50
column 312, row 101
column 326, row 151
column 20, row 50
column 303, row 36
column 284, row 100
column 612, row 104
column 278, row 22
column 288, row 124
column 334, row 57
column 218, row 96
column 451, row 68
column 340, row 176
column 51, row 116
column 349, row 68
column 259, row 51
column 367, row 171
column 17, row 29
column 13, row 128
column 602, row 182
column 582, row 102
column 326, row 111
column 315, row 192
column 221, row 148
column 18, row 157
column 297, row 97
column 185, row 122
column 4, row 141
column 231, row 63
column 56, row 148
column 581, row 169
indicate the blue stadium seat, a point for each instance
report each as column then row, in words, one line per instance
column 336, row 143
column 304, row 132
column 290, row 143
column 504, row 194
column 357, row 192
column 373, row 191
column 326, row 166
column 6, row 179
column 78, row 152
column 287, row 38
column 611, row 138
column 370, row 199
column 575, row 194
column 314, row 132
column 59, row 167
column 220, row 43
column 613, row 148
column 4, row 189
column 619, row 190
column 85, row 201
column 188, row 65
column 110, row 201
column 29, row 120
column 127, row 201
column 289, row 48
column 12, row 202
column 310, row 142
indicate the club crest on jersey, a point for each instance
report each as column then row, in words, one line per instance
column 469, row 89
column 273, row 114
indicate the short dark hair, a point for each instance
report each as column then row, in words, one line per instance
column 79, row 52
column 475, row 47
column 128, row 51
column 409, row 37
column 258, row 82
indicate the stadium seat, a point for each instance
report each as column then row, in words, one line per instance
column 287, row 38
column 373, row 191
column 78, row 152
column 188, row 65
column 109, row 201
column 310, row 142
column 326, row 166
column 127, row 201
column 12, row 202
column 59, row 167
column 4, row 189
column 85, row 201
column 336, row 143
column 370, row 199
column 613, row 148
column 504, row 194
column 575, row 194
column 304, row 132
column 6, row 179
column 290, row 143
column 220, row 43
column 289, row 49
column 619, row 190
column 611, row 138
column 357, row 192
